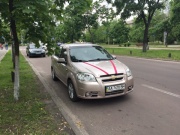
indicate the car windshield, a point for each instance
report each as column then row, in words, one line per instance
column 32, row 46
column 89, row 53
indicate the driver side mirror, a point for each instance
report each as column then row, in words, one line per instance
column 114, row 56
column 62, row 60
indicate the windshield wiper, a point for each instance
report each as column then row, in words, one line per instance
column 80, row 60
column 99, row 59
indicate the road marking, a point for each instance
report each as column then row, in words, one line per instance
column 149, row 59
column 162, row 91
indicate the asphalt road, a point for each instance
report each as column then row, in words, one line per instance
column 153, row 108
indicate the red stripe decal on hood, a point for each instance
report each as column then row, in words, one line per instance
column 114, row 66
column 97, row 68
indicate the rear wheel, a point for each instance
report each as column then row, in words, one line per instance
column 53, row 75
column 72, row 92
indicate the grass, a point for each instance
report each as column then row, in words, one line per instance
column 133, row 45
column 29, row 115
column 157, row 54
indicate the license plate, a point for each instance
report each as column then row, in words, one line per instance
column 115, row 87
column 38, row 52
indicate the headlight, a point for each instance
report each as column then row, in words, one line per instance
column 128, row 72
column 31, row 51
column 86, row 77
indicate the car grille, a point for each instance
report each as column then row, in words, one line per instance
column 114, row 92
column 112, row 77
column 37, row 51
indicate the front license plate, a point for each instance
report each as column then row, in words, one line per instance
column 115, row 87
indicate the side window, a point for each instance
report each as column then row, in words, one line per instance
column 63, row 54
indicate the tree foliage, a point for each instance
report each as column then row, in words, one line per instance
column 175, row 18
column 136, row 32
column 37, row 18
column 73, row 23
column 119, row 32
column 144, row 9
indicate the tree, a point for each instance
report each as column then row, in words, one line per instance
column 107, row 15
column 37, row 19
column 175, row 19
column 91, row 19
column 4, row 32
column 73, row 23
column 99, row 34
column 98, row 14
column 119, row 32
column 144, row 9
column 136, row 32
column 159, row 24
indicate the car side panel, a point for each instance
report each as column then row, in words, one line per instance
column 55, row 65
column 62, row 72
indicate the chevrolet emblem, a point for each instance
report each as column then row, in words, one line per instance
column 113, row 77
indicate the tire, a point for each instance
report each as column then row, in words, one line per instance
column 53, row 74
column 72, row 92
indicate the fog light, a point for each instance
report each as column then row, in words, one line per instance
column 88, row 94
column 130, row 87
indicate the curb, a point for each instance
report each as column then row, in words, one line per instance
column 64, row 110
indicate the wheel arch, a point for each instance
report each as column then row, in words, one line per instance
column 72, row 77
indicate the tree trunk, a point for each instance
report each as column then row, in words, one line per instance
column 72, row 35
column 16, row 79
column 16, row 50
column 92, row 39
column 145, row 40
column 13, row 55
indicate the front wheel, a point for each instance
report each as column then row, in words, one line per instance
column 53, row 75
column 72, row 92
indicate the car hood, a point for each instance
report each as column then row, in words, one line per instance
column 99, row 68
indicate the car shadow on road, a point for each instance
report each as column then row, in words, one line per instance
column 105, row 102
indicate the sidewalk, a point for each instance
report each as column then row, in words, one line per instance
column 2, row 54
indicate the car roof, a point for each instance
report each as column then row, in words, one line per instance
column 77, row 45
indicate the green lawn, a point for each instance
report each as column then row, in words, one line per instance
column 157, row 54
column 29, row 115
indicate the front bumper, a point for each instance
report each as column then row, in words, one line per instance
column 37, row 54
column 96, row 90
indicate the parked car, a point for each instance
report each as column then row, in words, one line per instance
column 32, row 50
column 90, row 72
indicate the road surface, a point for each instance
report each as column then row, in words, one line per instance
column 153, row 108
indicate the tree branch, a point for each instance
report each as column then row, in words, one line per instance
column 144, row 17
